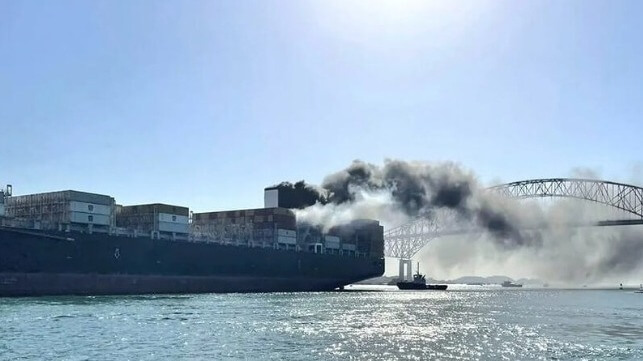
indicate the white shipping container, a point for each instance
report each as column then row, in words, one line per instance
column 348, row 247
column 331, row 240
column 271, row 198
column 332, row 245
column 173, row 227
column 173, row 218
column 88, row 218
column 286, row 240
column 84, row 207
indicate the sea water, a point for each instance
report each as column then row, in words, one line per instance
column 362, row 323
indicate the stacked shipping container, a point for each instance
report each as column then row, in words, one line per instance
column 64, row 210
column 360, row 237
column 363, row 237
column 262, row 227
column 350, row 239
column 160, row 221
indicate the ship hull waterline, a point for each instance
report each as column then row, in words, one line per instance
column 34, row 264
column 39, row 284
column 422, row 287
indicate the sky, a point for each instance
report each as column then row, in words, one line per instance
column 205, row 103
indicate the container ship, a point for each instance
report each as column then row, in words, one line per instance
column 78, row 243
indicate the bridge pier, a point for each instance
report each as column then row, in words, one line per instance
column 409, row 270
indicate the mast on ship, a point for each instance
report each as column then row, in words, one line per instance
column 4, row 193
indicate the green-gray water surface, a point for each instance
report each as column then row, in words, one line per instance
column 469, row 323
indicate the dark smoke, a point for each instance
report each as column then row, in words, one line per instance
column 522, row 237
column 358, row 174
column 299, row 195
column 417, row 189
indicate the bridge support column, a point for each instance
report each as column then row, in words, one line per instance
column 408, row 276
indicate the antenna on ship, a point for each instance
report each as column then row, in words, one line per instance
column 5, row 193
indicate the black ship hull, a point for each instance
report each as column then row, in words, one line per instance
column 411, row 286
column 420, row 286
column 34, row 263
column 437, row 287
column 50, row 284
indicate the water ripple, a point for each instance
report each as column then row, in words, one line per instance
column 387, row 325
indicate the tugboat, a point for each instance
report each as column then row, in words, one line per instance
column 510, row 284
column 419, row 283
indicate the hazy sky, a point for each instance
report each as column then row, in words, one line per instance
column 203, row 103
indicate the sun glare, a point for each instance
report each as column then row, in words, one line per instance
column 368, row 18
column 390, row 10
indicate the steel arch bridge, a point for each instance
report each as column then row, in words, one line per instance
column 405, row 241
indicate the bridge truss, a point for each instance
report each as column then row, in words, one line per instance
column 406, row 240
column 625, row 197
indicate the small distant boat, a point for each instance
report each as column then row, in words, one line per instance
column 419, row 283
column 510, row 284
column 640, row 290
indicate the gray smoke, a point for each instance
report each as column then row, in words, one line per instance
column 571, row 257
column 556, row 253
column 417, row 190
column 416, row 187
column 625, row 252
column 398, row 192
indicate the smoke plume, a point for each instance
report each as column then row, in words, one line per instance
column 523, row 239
column 400, row 191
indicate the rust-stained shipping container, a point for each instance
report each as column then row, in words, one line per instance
column 158, row 220
column 261, row 227
column 63, row 210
